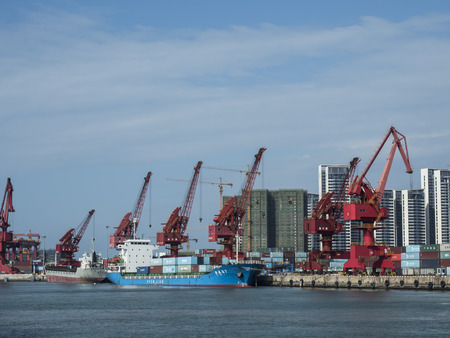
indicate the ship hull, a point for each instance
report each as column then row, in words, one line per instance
column 236, row 275
column 76, row 276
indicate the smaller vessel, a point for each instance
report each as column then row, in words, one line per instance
column 91, row 270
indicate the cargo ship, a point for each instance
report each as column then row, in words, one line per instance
column 136, row 266
column 91, row 270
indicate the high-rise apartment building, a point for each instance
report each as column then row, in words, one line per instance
column 313, row 240
column 391, row 232
column 436, row 186
column 275, row 219
column 413, row 217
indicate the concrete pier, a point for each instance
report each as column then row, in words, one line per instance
column 357, row 282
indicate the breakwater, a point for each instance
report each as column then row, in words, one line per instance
column 431, row 282
column 26, row 277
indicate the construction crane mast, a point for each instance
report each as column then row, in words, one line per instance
column 6, row 237
column 68, row 244
column 173, row 233
column 368, row 208
column 228, row 223
column 128, row 226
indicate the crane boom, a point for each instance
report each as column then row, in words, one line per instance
column 228, row 223
column 173, row 233
column 68, row 244
column 128, row 226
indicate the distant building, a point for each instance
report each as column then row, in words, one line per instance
column 313, row 240
column 413, row 217
column 275, row 220
column 436, row 186
column 391, row 234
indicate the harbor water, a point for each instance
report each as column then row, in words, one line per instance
column 38, row 309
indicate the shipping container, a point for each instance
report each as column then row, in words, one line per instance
column 169, row 269
column 445, row 255
column 169, row 261
column 396, row 249
column 289, row 254
column 412, row 248
column 411, row 263
column 396, row 257
column 195, row 268
column 410, row 255
column 444, row 247
column 301, row 260
column 215, row 260
column 187, row 260
column 445, row 263
column 206, row 260
column 184, row 268
column 277, row 260
column 430, row 248
column 430, row 255
column 253, row 254
column 204, row 268
column 430, row 263
column 427, row 271
column 225, row 260
column 156, row 261
column 209, row 251
column 265, row 254
column 143, row 270
column 276, row 254
column 158, row 269
column 301, row 254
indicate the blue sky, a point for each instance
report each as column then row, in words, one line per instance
column 93, row 95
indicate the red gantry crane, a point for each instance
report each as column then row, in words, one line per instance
column 6, row 237
column 325, row 220
column 68, row 244
column 370, row 212
column 173, row 233
column 128, row 226
column 228, row 223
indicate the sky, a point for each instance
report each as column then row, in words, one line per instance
column 93, row 95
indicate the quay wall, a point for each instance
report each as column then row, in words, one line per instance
column 357, row 282
column 26, row 277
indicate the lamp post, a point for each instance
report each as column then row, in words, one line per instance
column 107, row 246
column 44, row 237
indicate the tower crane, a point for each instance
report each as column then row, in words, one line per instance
column 128, row 226
column 173, row 233
column 220, row 184
column 6, row 237
column 227, row 225
column 326, row 217
column 68, row 244
column 369, row 210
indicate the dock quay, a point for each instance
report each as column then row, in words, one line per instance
column 26, row 277
column 431, row 282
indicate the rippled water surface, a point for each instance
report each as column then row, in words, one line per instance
column 104, row 310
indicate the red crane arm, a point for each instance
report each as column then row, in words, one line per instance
column 7, row 205
column 83, row 227
column 356, row 186
column 247, row 191
column 125, row 227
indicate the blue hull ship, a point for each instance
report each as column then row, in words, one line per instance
column 233, row 275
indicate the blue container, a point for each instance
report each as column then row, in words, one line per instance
column 204, row 268
column 225, row 260
column 410, row 264
column 156, row 262
column 412, row 248
column 206, row 260
column 187, row 260
column 169, row 261
column 445, row 254
column 276, row 255
column 143, row 270
column 169, row 269
column 301, row 255
column 269, row 265
column 277, row 260
column 410, row 255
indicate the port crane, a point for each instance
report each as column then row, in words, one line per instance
column 173, row 233
column 128, row 226
column 68, row 244
column 368, row 210
column 6, row 237
column 325, row 220
column 227, row 226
